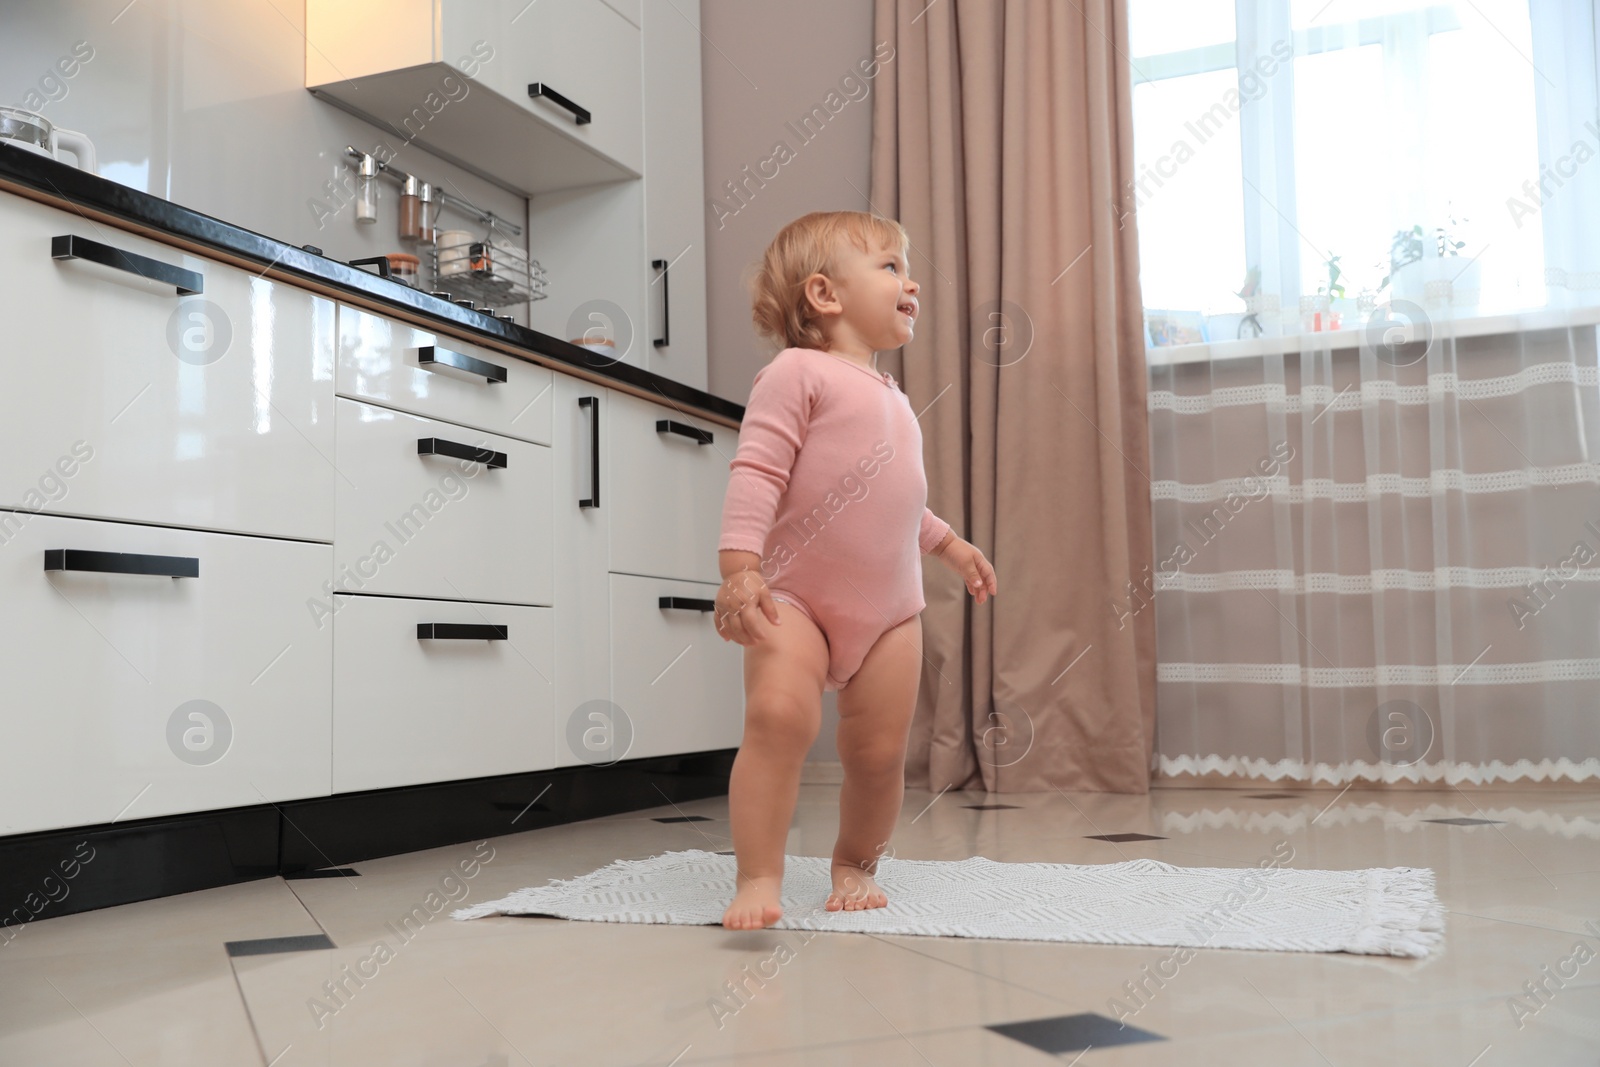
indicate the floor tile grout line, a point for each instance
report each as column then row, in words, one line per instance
column 1523, row 925
column 882, row 939
column 307, row 910
column 250, row 1016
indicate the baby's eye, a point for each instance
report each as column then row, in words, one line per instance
column 891, row 265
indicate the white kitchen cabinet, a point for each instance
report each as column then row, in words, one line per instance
column 401, row 366
column 664, row 461
column 416, row 517
column 467, row 695
column 674, row 184
column 133, row 695
column 678, row 683
column 592, row 242
column 617, row 558
column 454, row 75
column 126, row 400
column 582, row 542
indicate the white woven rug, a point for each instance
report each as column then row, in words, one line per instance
column 1390, row 911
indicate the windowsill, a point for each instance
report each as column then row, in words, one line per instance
column 1512, row 322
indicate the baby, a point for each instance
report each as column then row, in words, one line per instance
column 823, row 531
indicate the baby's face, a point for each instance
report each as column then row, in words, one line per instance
column 878, row 295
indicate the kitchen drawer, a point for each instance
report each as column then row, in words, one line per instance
column 679, row 684
column 383, row 361
column 135, row 695
column 125, row 400
column 415, row 709
column 435, row 525
column 664, row 489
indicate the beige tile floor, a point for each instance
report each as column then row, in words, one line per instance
column 152, row 983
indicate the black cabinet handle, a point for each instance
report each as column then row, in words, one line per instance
column 71, row 246
column 694, row 432
column 76, row 559
column 688, row 603
column 430, row 356
column 438, row 446
column 381, row 262
column 579, row 115
column 592, row 402
column 666, row 302
column 461, row 631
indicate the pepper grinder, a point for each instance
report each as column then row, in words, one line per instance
column 428, row 213
column 410, row 208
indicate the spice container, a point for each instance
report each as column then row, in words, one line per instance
column 428, row 211
column 453, row 251
column 367, row 189
column 411, row 208
column 403, row 267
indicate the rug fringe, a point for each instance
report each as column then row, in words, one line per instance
column 1403, row 916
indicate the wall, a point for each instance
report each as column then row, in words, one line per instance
column 204, row 104
column 765, row 64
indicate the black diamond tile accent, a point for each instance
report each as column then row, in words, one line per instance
column 1272, row 796
column 1073, row 1033
column 990, row 807
column 1119, row 838
column 326, row 872
column 265, row 946
column 683, row 818
column 1463, row 821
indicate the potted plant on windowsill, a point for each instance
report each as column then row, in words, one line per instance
column 1432, row 272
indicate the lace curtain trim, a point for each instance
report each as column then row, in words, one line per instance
column 1447, row 771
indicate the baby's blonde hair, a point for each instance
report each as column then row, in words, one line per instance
column 804, row 247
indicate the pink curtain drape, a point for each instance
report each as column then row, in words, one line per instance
column 1002, row 141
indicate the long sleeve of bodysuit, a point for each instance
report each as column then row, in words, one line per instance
column 770, row 436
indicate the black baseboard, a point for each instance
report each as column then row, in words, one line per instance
column 60, row 872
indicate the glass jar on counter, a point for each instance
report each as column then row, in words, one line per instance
column 404, row 267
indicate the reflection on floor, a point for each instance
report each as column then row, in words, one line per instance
column 363, row 965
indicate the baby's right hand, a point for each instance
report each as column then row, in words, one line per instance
column 740, row 591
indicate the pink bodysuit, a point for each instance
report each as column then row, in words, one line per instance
column 827, row 487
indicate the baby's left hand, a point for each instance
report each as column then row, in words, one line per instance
column 964, row 558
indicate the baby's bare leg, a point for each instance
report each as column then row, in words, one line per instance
column 783, row 678
column 875, row 711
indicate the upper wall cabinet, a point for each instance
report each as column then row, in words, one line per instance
column 459, row 77
column 675, row 226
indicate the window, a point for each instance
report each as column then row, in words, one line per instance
column 1272, row 136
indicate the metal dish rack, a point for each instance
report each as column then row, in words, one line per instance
column 486, row 271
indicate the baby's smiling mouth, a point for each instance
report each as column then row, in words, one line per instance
column 908, row 308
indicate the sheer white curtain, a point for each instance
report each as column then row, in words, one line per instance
column 1370, row 253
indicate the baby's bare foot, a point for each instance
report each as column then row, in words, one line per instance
column 755, row 905
column 854, row 890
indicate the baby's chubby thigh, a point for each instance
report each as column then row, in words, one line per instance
column 784, row 675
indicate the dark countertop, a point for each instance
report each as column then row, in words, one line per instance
column 62, row 182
